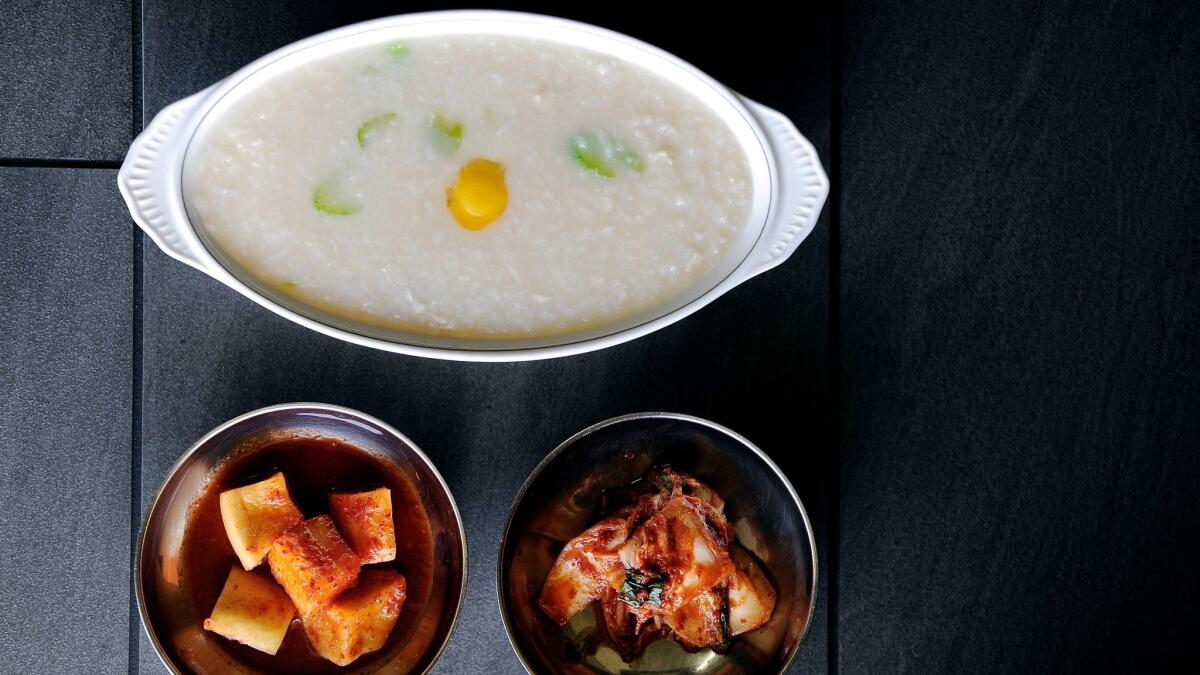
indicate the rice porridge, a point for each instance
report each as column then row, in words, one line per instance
column 471, row 186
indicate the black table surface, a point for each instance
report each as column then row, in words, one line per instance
column 981, row 371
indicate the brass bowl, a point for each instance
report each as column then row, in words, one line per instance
column 173, row 626
column 560, row 500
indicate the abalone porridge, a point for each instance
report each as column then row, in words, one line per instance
column 471, row 186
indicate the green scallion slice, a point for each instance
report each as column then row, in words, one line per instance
column 332, row 198
column 446, row 134
column 398, row 51
column 592, row 152
column 372, row 127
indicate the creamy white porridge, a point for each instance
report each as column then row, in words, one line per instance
column 471, row 186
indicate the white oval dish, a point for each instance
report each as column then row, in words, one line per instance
column 788, row 184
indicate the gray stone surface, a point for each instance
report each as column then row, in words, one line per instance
column 1021, row 368
column 66, row 275
column 67, row 79
column 1015, row 288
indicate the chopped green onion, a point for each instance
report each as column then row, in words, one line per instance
column 654, row 591
column 446, row 134
column 373, row 126
column 333, row 199
column 598, row 152
column 630, row 158
column 398, row 51
column 590, row 151
column 288, row 285
column 639, row 589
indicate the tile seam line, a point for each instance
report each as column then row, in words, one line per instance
column 135, row 422
column 60, row 163
column 835, row 352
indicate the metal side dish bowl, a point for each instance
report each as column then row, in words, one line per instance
column 564, row 496
column 182, row 527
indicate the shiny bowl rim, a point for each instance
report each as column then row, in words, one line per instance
column 612, row 421
column 187, row 457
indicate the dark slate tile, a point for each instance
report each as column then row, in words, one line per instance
column 65, row 364
column 1021, row 369
column 68, row 84
column 782, row 62
column 756, row 360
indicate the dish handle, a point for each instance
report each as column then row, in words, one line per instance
column 801, row 189
column 150, row 181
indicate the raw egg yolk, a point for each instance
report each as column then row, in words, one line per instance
column 479, row 196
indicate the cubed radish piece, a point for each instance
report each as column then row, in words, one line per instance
column 252, row 610
column 360, row 619
column 255, row 515
column 313, row 563
column 365, row 518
